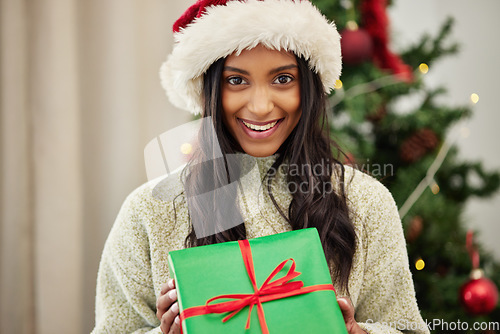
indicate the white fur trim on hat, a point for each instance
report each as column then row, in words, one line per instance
column 289, row 25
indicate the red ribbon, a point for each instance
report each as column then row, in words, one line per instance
column 270, row 290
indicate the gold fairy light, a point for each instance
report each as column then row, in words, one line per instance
column 186, row 148
column 338, row 84
column 420, row 264
column 423, row 68
column 474, row 98
column 435, row 188
column 352, row 25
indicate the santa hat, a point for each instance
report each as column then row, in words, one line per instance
column 214, row 29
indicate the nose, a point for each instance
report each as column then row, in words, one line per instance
column 260, row 102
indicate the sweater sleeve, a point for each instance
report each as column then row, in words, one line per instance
column 386, row 302
column 125, row 296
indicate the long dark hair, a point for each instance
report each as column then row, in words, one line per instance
column 322, row 206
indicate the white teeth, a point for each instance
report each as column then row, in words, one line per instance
column 260, row 127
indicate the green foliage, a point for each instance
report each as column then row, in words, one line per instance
column 429, row 49
column 366, row 122
column 462, row 180
column 337, row 13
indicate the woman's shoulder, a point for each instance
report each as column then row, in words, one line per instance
column 155, row 199
column 365, row 194
column 359, row 182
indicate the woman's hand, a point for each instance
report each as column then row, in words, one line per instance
column 167, row 309
column 348, row 313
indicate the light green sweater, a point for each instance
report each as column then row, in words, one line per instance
column 134, row 260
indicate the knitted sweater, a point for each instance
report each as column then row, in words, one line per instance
column 153, row 221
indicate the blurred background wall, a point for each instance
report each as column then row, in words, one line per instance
column 80, row 98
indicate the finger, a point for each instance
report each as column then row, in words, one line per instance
column 165, row 287
column 176, row 326
column 164, row 302
column 346, row 308
column 167, row 320
column 169, row 285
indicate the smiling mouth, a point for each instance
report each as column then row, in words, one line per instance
column 262, row 127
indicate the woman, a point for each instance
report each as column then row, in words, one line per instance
column 260, row 71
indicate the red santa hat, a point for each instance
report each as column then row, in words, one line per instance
column 214, row 29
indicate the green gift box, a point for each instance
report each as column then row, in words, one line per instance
column 274, row 284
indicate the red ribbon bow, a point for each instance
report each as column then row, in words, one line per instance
column 280, row 288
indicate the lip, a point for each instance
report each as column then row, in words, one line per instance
column 260, row 123
column 261, row 134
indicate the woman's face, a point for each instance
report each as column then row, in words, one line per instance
column 261, row 99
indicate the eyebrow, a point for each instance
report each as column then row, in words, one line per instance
column 283, row 68
column 275, row 70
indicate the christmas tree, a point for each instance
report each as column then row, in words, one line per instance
column 413, row 155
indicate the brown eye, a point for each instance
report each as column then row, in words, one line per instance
column 235, row 81
column 283, row 79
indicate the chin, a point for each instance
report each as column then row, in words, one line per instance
column 260, row 152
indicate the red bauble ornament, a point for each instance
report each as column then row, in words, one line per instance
column 357, row 46
column 415, row 229
column 479, row 295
